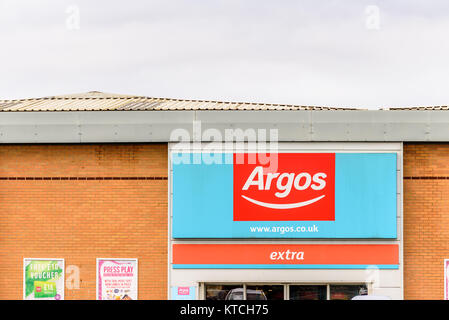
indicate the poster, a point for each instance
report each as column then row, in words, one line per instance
column 116, row 279
column 183, row 293
column 43, row 279
column 446, row 279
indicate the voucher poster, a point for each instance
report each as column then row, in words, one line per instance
column 117, row 279
column 43, row 279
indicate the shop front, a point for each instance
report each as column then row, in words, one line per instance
column 279, row 291
column 311, row 221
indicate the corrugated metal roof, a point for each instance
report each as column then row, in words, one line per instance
column 100, row 101
column 420, row 108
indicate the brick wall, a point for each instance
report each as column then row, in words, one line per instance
column 81, row 202
column 426, row 219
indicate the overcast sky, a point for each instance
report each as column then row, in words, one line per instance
column 351, row 53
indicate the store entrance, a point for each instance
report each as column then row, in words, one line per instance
column 246, row 291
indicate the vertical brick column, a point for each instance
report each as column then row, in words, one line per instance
column 426, row 219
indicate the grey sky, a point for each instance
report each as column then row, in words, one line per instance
column 321, row 53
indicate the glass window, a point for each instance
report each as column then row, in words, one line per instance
column 308, row 292
column 276, row 292
column 347, row 292
column 268, row 292
column 224, row 292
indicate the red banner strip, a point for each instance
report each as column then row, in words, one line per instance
column 314, row 254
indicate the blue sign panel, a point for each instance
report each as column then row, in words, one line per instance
column 183, row 293
column 359, row 189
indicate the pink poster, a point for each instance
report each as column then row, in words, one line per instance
column 116, row 279
column 446, row 279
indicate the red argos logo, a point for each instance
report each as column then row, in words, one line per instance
column 301, row 189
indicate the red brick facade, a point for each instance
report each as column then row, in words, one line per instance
column 82, row 202
column 426, row 219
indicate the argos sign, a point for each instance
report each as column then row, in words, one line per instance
column 303, row 188
column 306, row 195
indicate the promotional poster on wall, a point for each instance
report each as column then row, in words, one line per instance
column 446, row 279
column 43, row 279
column 116, row 279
